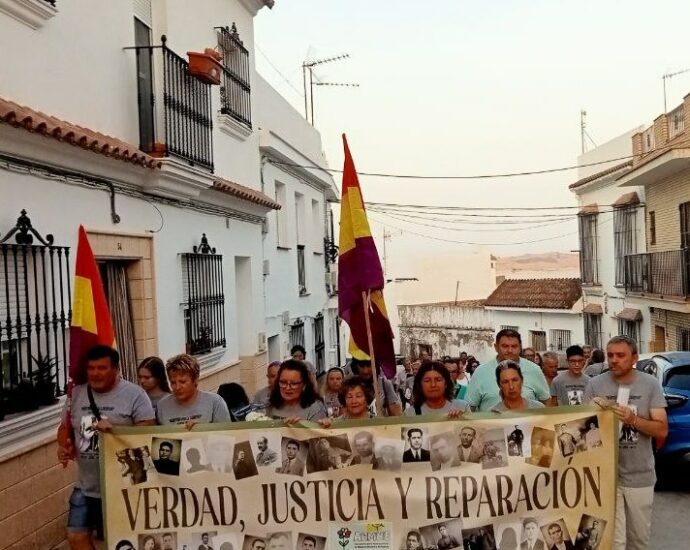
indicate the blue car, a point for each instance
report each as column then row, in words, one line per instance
column 672, row 369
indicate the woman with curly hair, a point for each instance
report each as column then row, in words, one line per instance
column 433, row 392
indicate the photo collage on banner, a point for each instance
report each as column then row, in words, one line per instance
column 420, row 451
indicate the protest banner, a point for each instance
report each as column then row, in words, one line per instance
column 485, row 482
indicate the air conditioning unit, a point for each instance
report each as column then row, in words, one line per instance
column 267, row 267
column 261, row 341
column 286, row 318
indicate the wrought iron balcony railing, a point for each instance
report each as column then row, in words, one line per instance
column 174, row 107
column 665, row 273
column 235, row 91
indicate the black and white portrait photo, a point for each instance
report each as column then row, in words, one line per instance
column 471, row 445
column 556, row 535
column 266, row 447
column 219, row 453
column 294, row 455
column 166, row 455
column 568, row 439
column 479, row 538
column 575, row 397
column 328, row 453
column 629, row 433
column 194, row 456
column 592, row 434
column 253, row 542
column 445, row 535
column 518, row 440
column 589, row 533
column 279, row 541
column 416, row 444
column 226, row 541
column 411, row 540
column 243, row 461
column 88, row 436
column 388, row 453
column 531, row 537
column 363, row 449
column 495, row 449
column 507, row 535
column 541, row 447
column 305, row 541
column 444, row 451
column 133, row 465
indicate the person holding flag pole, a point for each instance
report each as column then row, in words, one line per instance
column 98, row 398
column 360, row 284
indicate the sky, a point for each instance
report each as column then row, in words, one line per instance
column 453, row 87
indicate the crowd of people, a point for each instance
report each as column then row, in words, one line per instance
column 515, row 379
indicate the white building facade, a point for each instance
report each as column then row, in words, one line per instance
column 174, row 179
column 612, row 226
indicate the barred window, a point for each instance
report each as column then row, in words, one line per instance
column 204, row 299
column 538, row 339
column 589, row 260
column 624, row 238
column 509, row 327
column 235, row 91
column 593, row 335
column 301, row 271
column 683, row 336
column 631, row 329
column 297, row 333
column 319, row 345
column 560, row 339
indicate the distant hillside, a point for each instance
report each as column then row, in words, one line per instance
column 550, row 261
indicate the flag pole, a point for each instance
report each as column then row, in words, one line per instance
column 366, row 303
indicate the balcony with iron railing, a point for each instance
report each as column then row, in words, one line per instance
column 665, row 275
column 235, row 90
column 175, row 116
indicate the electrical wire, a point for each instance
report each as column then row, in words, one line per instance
column 276, row 69
column 478, row 208
column 466, row 177
column 471, row 221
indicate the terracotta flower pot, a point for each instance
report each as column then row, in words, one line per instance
column 205, row 66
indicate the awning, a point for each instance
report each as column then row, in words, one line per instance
column 589, row 209
column 594, row 309
column 629, row 314
column 629, row 199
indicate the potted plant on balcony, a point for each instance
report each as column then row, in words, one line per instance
column 206, row 66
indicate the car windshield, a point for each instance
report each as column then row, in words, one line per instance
column 679, row 378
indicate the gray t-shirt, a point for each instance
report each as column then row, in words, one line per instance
column 449, row 405
column 529, row 404
column 569, row 389
column 124, row 405
column 635, row 455
column 205, row 409
column 315, row 411
column 262, row 396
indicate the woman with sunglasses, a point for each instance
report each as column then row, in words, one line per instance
column 509, row 379
column 293, row 397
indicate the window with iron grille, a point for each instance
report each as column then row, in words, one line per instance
column 301, row 271
column 538, row 339
column 685, row 225
column 509, row 327
column 589, row 260
column 297, row 333
column 592, row 330
column 683, row 336
column 560, row 339
column 35, row 315
column 204, row 299
column 624, row 238
column 235, row 92
column 631, row 329
column 319, row 345
column 652, row 228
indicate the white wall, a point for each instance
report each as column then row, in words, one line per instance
column 616, row 148
column 543, row 320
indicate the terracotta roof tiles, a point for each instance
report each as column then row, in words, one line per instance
column 245, row 193
column 34, row 121
column 625, row 167
column 536, row 293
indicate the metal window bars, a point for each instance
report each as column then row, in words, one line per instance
column 235, row 91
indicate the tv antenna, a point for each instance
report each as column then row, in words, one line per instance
column 308, row 66
column 669, row 76
column 584, row 135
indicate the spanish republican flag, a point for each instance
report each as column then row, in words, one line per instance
column 359, row 270
column 91, row 323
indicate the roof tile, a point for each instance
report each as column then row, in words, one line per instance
column 34, row 121
column 536, row 293
column 245, row 193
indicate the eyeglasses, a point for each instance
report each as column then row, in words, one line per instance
column 289, row 384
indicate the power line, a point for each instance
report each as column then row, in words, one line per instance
column 472, row 177
column 276, row 69
column 520, row 208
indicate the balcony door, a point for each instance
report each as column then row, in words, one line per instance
column 142, row 38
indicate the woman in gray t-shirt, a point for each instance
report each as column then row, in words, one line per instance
column 433, row 392
column 293, row 397
column 509, row 379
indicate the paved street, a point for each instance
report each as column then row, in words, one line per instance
column 671, row 520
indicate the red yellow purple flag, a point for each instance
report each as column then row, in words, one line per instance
column 91, row 323
column 359, row 270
